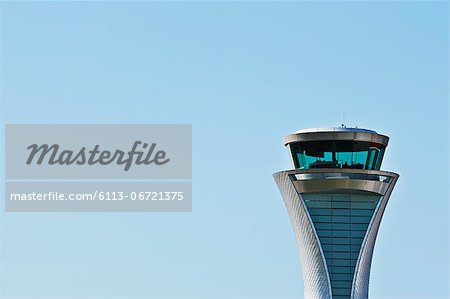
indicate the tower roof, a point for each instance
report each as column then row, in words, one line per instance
column 336, row 133
column 334, row 129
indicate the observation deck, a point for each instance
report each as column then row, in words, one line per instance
column 340, row 147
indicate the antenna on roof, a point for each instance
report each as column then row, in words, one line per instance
column 343, row 119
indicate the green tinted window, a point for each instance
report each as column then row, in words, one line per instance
column 337, row 154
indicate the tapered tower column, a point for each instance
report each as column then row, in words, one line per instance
column 336, row 197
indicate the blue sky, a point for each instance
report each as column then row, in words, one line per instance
column 244, row 74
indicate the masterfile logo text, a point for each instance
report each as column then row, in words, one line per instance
column 98, row 152
column 53, row 156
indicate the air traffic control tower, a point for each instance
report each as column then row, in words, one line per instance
column 336, row 196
